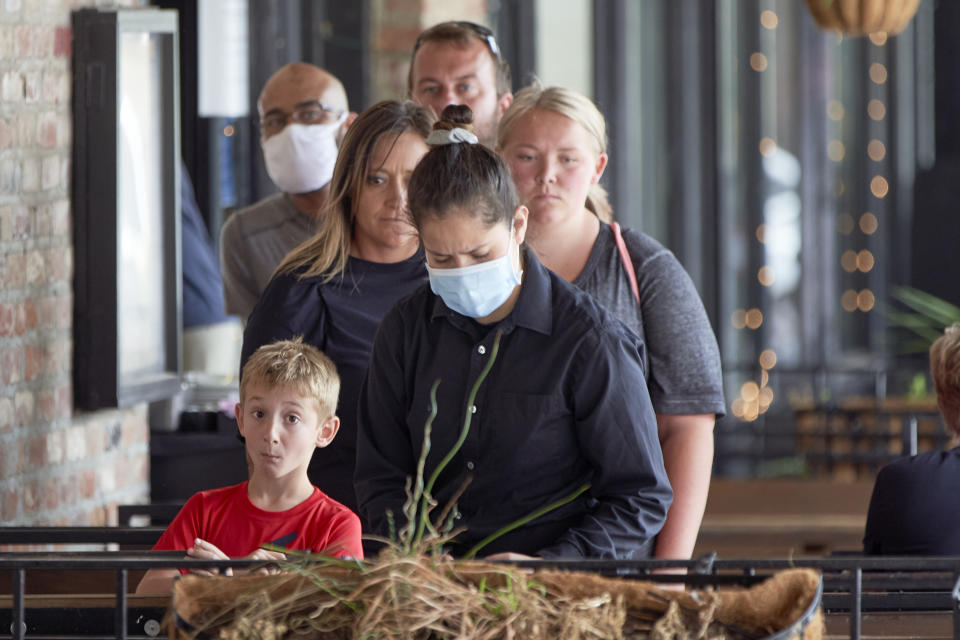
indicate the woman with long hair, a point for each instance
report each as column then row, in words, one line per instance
column 336, row 287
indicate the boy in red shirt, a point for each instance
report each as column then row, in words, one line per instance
column 288, row 395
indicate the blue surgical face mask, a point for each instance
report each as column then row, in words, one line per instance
column 478, row 290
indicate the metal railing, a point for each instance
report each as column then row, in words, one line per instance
column 851, row 585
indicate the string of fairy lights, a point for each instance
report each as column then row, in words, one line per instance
column 756, row 397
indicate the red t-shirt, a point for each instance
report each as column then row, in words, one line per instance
column 226, row 518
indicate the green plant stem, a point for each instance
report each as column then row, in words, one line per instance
column 428, row 490
column 418, row 512
column 524, row 520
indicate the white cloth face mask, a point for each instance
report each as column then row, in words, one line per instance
column 300, row 159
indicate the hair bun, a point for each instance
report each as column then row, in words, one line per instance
column 455, row 116
column 455, row 126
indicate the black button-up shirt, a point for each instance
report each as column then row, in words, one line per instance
column 564, row 404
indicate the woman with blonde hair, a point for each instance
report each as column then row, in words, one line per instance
column 911, row 510
column 336, row 287
column 555, row 142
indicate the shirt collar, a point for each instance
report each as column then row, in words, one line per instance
column 533, row 309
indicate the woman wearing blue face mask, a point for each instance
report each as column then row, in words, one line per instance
column 559, row 407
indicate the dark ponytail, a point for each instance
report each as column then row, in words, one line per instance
column 462, row 175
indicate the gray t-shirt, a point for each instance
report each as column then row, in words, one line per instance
column 683, row 360
column 253, row 242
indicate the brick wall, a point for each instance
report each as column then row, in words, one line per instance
column 395, row 25
column 57, row 466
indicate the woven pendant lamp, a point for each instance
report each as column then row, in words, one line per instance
column 861, row 17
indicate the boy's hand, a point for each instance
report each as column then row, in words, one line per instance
column 207, row 551
column 267, row 556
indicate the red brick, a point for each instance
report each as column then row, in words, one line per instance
column 33, row 358
column 26, row 129
column 51, row 86
column 60, row 218
column 64, row 310
column 42, row 220
column 7, row 315
column 24, row 407
column 64, row 395
column 50, row 496
column 397, row 39
column 7, row 133
column 37, row 447
column 29, row 314
column 64, row 131
column 10, row 504
column 6, row 42
column 31, row 497
column 69, row 489
column 6, row 418
column 47, row 412
column 32, row 86
column 16, row 271
column 10, row 461
column 19, row 320
column 36, row 270
column 46, row 312
column 95, row 440
column 47, row 130
column 88, row 483
column 50, row 172
column 57, row 261
column 20, row 219
column 56, row 357
column 62, row 42
column 12, row 365
column 97, row 517
column 404, row 6
column 23, row 41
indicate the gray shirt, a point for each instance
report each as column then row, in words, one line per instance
column 253, row 242
column 683, row 360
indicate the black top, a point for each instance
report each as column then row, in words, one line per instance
column 340, row 318
column 912, row 510
column 564, row 404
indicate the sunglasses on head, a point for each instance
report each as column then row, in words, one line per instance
column 479, row 30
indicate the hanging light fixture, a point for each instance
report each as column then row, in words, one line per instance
column 862, row 17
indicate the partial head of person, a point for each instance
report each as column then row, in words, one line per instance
column 555, row 142
column 945, row 371
column 366, row 213
column 470, row 221
column 460, row 62
column 303, row 115
column 288, row 401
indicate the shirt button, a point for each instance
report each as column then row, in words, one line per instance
column 470, row 465
column 481, row 349
column 473, row 409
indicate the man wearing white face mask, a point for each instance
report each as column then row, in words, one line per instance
column 303, row 115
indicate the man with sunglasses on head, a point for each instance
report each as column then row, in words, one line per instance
column 460, row 63
column 303, row 116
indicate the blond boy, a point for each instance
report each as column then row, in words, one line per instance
column 288, row 396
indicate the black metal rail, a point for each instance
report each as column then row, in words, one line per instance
column 851, row 585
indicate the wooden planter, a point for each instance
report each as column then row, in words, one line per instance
column 542, row 605
column 861, row 17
